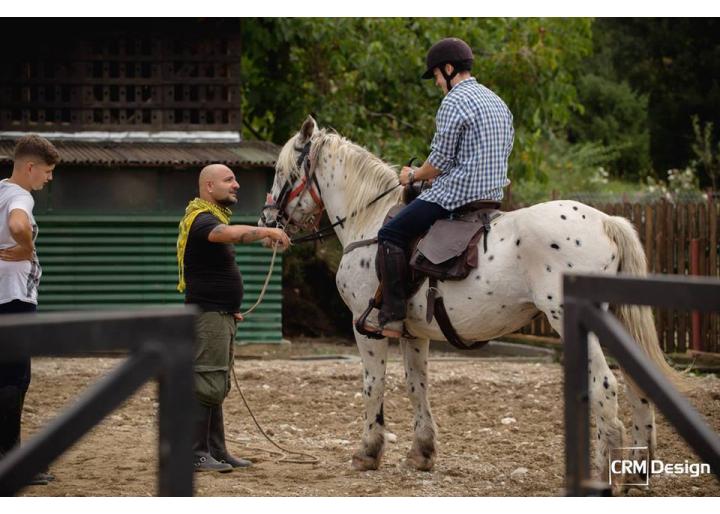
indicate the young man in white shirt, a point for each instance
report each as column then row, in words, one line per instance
column 33, row 164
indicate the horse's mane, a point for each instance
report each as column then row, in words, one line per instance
column 366, row 175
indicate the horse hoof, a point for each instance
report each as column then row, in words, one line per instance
column 362, row 462
column 421, row 462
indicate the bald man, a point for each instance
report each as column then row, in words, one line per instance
column 211, row 280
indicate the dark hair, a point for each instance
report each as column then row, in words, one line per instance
column 33, row 145
column 465, row 65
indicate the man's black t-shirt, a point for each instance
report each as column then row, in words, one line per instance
column 213, row 279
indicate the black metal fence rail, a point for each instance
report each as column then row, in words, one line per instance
column 160, row 343
column 582, row 296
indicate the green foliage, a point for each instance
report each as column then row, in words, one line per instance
column 676, row 63
column 565, row 168
column 361, row 76
column 707, row 159
column 615, row 116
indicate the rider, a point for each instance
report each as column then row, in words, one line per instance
column 468, row 162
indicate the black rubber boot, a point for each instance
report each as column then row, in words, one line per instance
column 394, row 274
column 202, row 460
column 217, row 441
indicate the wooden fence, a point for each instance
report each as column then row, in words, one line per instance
column 681, row 239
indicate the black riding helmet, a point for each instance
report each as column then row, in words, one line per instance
column 450, row 50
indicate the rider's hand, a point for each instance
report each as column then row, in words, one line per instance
column 405, row 175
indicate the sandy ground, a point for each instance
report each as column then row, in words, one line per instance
column 315, row 406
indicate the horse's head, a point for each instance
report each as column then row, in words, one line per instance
column 294, row 201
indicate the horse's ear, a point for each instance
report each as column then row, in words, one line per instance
column 308, row 128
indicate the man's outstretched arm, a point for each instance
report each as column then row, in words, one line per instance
column 239, row 234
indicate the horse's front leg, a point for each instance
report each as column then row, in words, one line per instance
column 415, row 355
column 374, row 358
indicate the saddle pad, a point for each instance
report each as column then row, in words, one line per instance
column 447, row 239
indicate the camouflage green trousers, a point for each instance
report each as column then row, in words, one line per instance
column 214, row 354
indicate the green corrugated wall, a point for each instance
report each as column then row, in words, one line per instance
column 110, row 262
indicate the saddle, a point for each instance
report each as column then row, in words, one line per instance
column 447, row 251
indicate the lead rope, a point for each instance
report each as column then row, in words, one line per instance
column 311, row 459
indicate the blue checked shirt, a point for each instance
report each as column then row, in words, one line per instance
column 473, row 139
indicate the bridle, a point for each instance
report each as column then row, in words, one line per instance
column 290, row 191
column 308, row 182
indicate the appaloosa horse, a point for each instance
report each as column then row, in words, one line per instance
column 518, row 277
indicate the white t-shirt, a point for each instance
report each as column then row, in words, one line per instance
column 18, row 280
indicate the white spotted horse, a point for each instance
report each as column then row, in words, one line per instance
column 517, row 278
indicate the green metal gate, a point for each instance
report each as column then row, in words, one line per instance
column 111, row 262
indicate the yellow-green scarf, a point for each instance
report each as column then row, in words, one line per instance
column 195, row 207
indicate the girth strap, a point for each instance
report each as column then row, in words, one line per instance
column 436, row 303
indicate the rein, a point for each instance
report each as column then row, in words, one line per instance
column 325, row 231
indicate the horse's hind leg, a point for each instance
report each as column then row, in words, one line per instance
column 643, row 418
column 415, row 355
column 604, row 403
column 603, row 387
column 374, row 357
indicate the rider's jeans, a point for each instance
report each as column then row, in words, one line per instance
column 411, row 222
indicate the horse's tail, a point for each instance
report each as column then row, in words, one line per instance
column 638, row 319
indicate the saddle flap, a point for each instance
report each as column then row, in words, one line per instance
column 447, row 239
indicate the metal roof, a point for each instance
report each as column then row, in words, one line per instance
column 252, row 154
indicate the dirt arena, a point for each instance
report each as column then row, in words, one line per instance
column 500, row 430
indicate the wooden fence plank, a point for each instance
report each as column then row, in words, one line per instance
column 681, row 249
column 714, row 335
column 649, row 236
column 670, row 215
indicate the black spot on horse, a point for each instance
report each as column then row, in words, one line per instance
column 422, row 385
column 612, row 257
column 569, row 264
column 548, row 268
column 575, row 207
column 469, row 297
column 370, row 353
column 577, row 242
column 517, row 243
column 477, row 277
column 412, row 389
column 489, row 293
column 502, row 239
column 563, row 217
column 606, row 385
column 417, row 350
column 382, row 361
column 644, row 400
column 583, row 216
column 503, row 306
column 549, row 297
column 555, row 246
column 491, row 257
column 636, row 427
column 380, row 418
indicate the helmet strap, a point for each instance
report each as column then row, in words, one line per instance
column 449, row 77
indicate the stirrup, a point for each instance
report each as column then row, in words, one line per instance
column 370, row 331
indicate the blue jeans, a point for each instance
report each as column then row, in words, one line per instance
column 411, row 222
